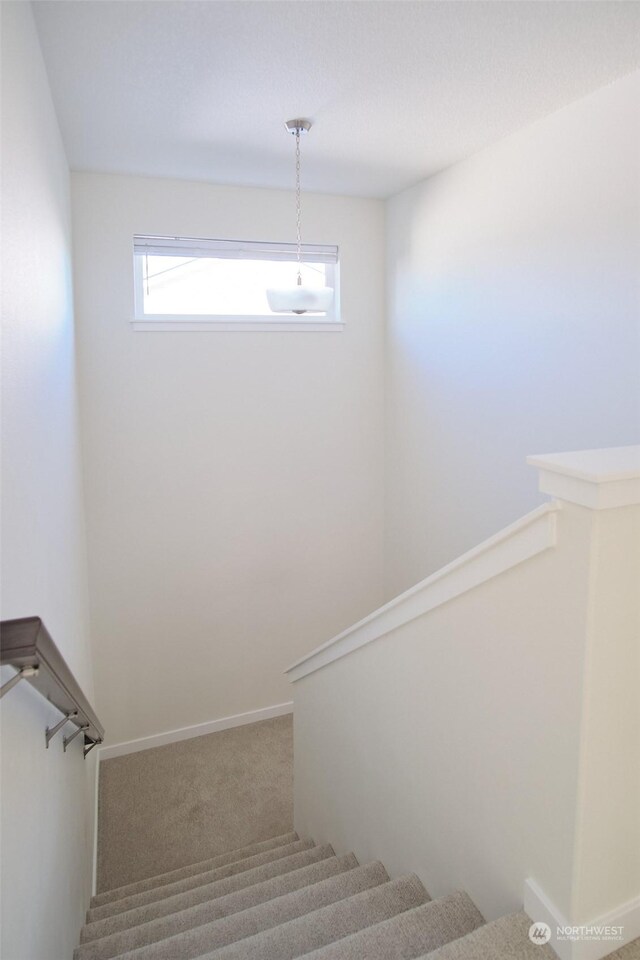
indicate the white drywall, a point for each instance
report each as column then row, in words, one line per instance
column 514, row 305
column 234, row 480
column 455, row 738
column 46, row 819
column 492, row 739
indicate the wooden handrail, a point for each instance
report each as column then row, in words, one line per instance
column 27, row 645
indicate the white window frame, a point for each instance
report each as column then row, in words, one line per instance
column 235, row 249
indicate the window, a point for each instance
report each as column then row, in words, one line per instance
column 189, row 284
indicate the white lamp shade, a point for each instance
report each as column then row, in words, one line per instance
column 300, row 299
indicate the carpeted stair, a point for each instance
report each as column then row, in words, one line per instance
column 285, row 898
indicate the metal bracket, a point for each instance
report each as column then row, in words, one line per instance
column 22, row 674
column 91, row 746
column 67, row 740
column 50, row 732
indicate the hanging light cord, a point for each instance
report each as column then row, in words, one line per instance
column 298, row 208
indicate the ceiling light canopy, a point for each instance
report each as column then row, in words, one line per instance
column 299, row 298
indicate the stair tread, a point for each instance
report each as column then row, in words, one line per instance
column 409, row 934
column 217, row 889
column 202, row 866
column 200, row 879
column 205, row 913
column 506, row 938
column 256, row 920
column 304, row 934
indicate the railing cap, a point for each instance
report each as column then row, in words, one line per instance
column 599, row 479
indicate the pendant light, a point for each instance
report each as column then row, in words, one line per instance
column 298, row 298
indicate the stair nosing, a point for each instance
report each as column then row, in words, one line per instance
column 322, row 852
column 410, row 879
column 106, row 896
column 375, row 871
column 112, row 906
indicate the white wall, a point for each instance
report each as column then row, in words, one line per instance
column 447, row 755
column 514, row 305
column 234, row 480
column 491, row 739
column 46, row 823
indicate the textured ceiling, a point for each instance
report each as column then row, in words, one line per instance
column 397, row 90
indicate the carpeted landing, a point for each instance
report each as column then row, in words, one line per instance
column 287, row 897
column 161, row 808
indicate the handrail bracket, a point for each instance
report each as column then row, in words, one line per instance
column 50, row 732
column 22, row 674
column 67, row 740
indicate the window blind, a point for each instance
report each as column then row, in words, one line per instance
column 231, row 249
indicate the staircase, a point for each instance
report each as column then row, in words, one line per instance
column 285, row 898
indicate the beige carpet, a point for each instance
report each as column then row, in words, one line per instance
column 170, row 806
column 285, row 899
column 630, row 952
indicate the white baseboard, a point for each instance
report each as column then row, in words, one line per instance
column 197, row 730
column 627, row 916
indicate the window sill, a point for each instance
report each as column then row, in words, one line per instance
column 240, row 325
